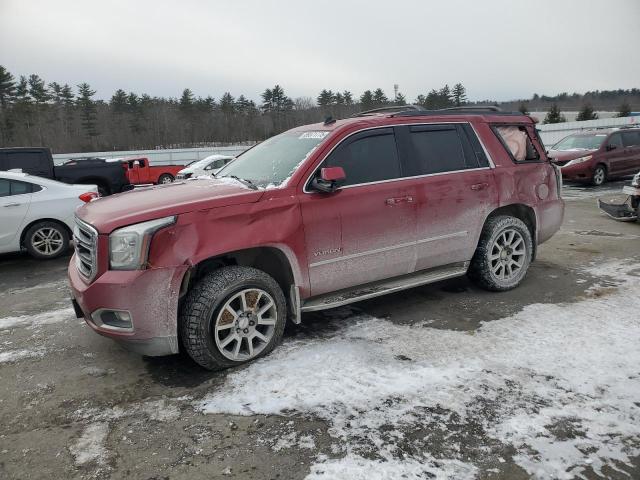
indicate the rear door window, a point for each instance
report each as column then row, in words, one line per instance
column 367, row 157
column 20, row 188
column 616, row 140
column 27, row 161
column 631, row 139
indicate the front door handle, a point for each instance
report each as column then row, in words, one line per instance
column 479, row 186
column 12, row 205
column 398, row 200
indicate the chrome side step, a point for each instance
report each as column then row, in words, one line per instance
column 383, row 287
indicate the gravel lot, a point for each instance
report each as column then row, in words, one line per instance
column 442, row 381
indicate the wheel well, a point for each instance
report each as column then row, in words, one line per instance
column 268, row 259
column 28, row 226
column 524, row 213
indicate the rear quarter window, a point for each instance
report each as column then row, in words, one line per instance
column 516, row 140
column 631, row 139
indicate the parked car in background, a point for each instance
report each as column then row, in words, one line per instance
column 109, row 178
column 315, row 218
column 140, row 172
column 38, row 213
column 207, row 166
column 598, row 155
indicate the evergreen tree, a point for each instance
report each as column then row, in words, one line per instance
column 7, row 87
column 186, row 101
column 400, row 99
column 38, row 91
column 523, row 108
column 586, row 113
column 366, row 100
column 379, row 98
column 227, row 104
column 348, row 97
column 554, row 115
column 444, row 97
column 624, row 110
column 459, row 94
column 136, row 116
column 118, row 102
column 275, row 100
column 87, row 110
column 338, row 99
column 325, row 98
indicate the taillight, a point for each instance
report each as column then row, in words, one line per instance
column 89, row 196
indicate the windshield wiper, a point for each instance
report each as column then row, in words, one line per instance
column 244, row 181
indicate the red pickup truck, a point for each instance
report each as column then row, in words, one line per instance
column 314, row 218
column 139, row 172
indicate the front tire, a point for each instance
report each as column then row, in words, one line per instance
column 232, row 316
column 165, row 178
column 503, row 255
column 599, row 175
column 46, row 240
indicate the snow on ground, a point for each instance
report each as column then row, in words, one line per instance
column 45, row 318
column 9, row 356
column 90, row 446
column 559, row 383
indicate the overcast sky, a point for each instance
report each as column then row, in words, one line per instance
column 498, row 49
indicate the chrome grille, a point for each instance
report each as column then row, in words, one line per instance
column 85, row 240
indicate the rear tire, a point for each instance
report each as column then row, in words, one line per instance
column 46, row 240
column 165, row 178
column 503, row 255
column 599, row 175
column 232, row 316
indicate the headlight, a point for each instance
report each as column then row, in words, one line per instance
column 579, row 160
column 129, row 246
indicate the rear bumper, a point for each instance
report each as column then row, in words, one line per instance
column 550, row 216
column 150, row 297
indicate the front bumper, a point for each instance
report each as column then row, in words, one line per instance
column 150, row 296
column 578, row 172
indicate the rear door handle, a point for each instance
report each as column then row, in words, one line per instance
column 12, row 205
column 479, row 186
column 398, row 200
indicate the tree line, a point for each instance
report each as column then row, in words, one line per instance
column 70, row 119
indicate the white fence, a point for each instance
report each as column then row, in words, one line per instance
column 178, row 156
column 554, row 132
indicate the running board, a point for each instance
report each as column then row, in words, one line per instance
column 383, row 287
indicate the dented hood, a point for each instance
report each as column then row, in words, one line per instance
column 139, row 205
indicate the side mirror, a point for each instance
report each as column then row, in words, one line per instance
column 611, row 146
column 328, row 180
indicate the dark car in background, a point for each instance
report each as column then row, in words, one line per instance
column 598, row 155
column 110, row 177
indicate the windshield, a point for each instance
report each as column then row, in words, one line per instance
column 580, row 142
column 273, row 161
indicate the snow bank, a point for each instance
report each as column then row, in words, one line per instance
column 561, row 381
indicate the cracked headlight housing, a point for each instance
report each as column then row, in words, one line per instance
column 575, row 161
column 129, row 246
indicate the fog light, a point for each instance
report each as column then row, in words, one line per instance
column 115, row 319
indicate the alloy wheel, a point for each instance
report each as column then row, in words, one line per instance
column 508, row 254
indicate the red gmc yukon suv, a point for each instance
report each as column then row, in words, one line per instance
column 314, row 218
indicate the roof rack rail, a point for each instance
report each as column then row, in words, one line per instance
column 391, row 109
column 474, row 108
column 478, row 110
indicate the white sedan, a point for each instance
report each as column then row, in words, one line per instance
column 207, row 166
column 37, row 213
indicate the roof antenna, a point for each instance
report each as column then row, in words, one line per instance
column 329, row 120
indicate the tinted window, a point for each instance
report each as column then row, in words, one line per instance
column 19, row 188
column 616, row 140
column 369, row 157
column 476, row 147
column 436, row 149
column 631, row 139
column 27, row 161
column 4, row 187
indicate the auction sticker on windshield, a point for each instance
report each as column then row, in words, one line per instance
column 313, row 135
